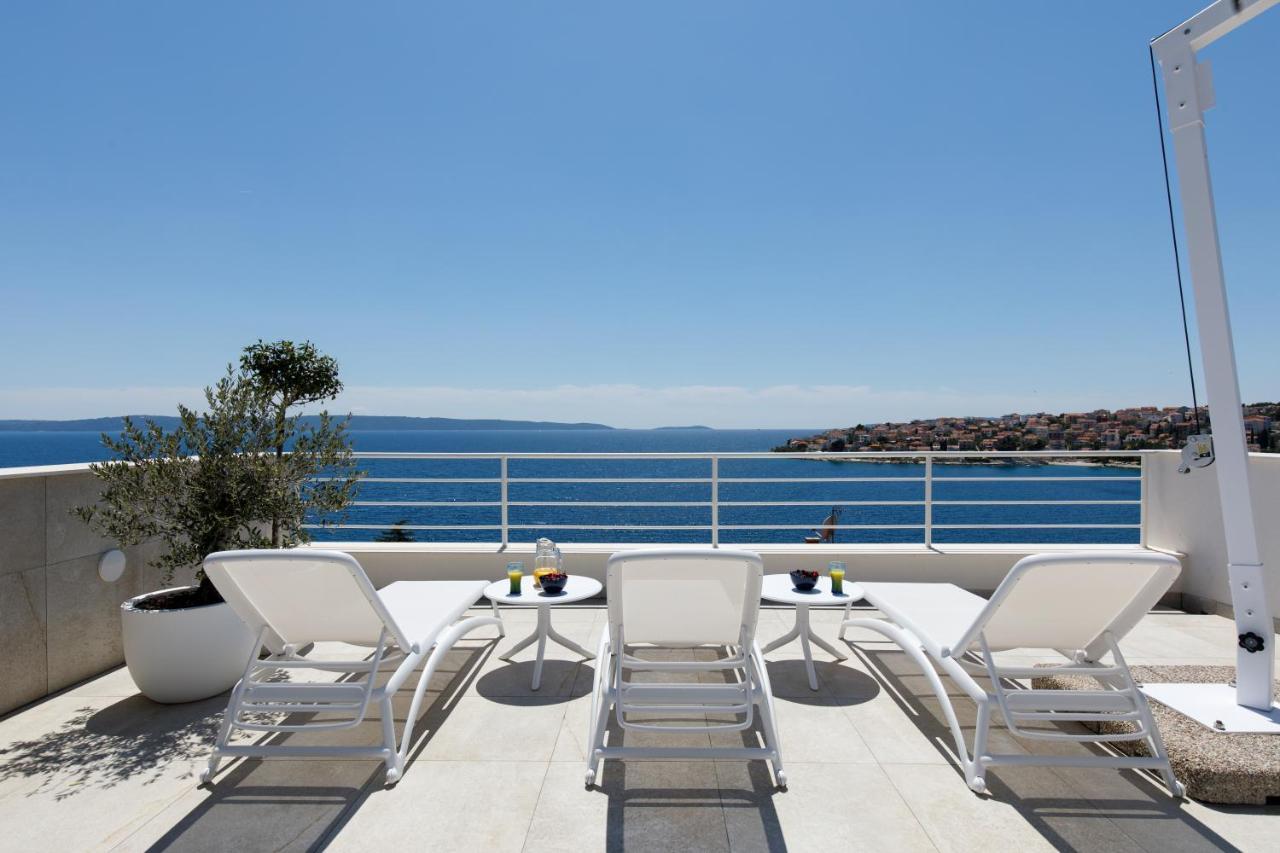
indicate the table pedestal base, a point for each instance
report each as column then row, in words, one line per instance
column 541, row 634
column 806, row 635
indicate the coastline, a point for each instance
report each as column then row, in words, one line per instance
column 1007, row 462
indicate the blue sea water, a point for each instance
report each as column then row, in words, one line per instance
column 853, row 484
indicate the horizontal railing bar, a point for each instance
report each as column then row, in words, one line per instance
column 1034, row 503
column 766, row 454
column 622, row 480
column 609, row 526
column 822, row 479
column 822, row 503
column 824, row 527
column 609, row 503
column 426, row 503
column 839, row 503
column 707, row 527
column 403, row 526
column 608, row 479
column 1126, row 479
column 1035, row 526
column 415, row 479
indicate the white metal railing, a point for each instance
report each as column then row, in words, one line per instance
column 713, row 480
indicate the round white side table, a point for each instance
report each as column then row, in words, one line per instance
column 779, row 589
column 577, row 589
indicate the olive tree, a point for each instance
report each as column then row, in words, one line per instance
column 289, row 375
column 246, row 473
column 197, row 489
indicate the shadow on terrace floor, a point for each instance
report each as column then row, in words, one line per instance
column 708, row 806
column 251, row 804
column 132, row 739
column 301, row 804
column 1071, row 808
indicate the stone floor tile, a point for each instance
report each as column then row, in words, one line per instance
column 477, row 729
column 656, row 806
column 446, row 806
column 843, row 807
column 278, row 805
column 814, row 734
column 955, row 817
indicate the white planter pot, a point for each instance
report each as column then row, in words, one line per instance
column 187, row 654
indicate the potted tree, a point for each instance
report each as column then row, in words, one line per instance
column 239, row 475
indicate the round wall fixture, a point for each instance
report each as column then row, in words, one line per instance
column 111, row 565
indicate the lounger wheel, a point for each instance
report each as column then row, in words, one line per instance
column 393, row 775
column 1179, row 790
column 978, row 786
column 205, row 775
column 590, row 778
column 782, row 779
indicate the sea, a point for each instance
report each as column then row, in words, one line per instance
column 973, row 503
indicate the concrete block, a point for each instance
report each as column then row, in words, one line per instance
column 24, row 675
column 22, row 525
column 84, row 619
column 68, row 537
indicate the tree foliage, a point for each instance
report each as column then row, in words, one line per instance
column 242, row 474
column 288, row 375
column 396, row 533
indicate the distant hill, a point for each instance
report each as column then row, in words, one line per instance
column 358, row 422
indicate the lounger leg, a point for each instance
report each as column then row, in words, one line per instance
column 224, row 732
column 912, row 646
column 1154, row 742
column 767, row 719
column 1176, row 789
column 601, row 707
column 976, row 772
column 443, row 645
column 502, row 628
column 233, row 709
column 395, row 764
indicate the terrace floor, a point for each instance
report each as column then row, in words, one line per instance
column 500, row 768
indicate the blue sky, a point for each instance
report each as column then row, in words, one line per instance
column 740, row 214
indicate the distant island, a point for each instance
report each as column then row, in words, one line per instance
column 1137, row 428
column 358, row 422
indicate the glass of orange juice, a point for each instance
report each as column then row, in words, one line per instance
column 515, row 574
column 836, row 569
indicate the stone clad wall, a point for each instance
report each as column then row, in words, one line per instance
column 1183, row 515
column 59, row 622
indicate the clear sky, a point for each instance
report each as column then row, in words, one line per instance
column 737, row 214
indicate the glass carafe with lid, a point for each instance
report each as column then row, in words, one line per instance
column 546, row 560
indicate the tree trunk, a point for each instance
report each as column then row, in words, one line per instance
column 277, row 535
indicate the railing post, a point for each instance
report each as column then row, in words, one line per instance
column 928, row 501
column 1143, row 490
column 505, row 531
column 715, row 501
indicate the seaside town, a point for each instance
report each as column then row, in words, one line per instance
column 1138, row 428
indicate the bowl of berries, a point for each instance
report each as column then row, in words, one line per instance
column 803, row 580
column 553, row 583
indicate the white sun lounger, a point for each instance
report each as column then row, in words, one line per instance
column 678, row 598
column 1080, row 604
column 293, row 598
